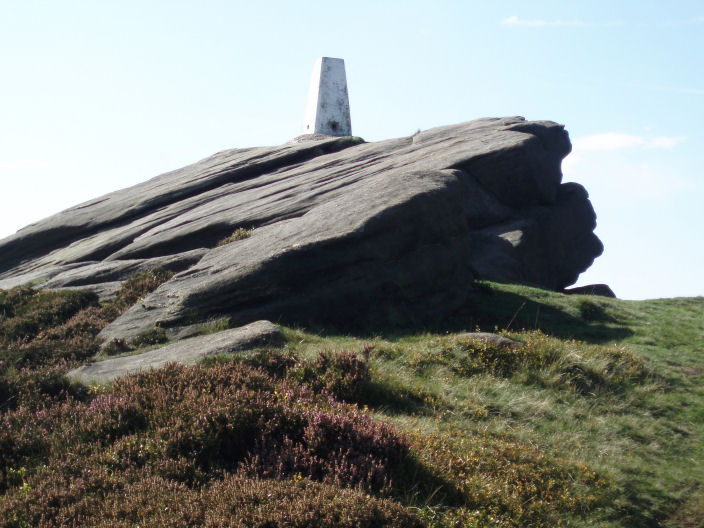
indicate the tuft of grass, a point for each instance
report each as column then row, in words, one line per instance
column 591, row 310
column 214, row 326
column 137, row 286
column 349, row 141
column 238, row 234
column 151, row 337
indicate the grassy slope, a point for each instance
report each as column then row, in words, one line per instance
column 651, row 439
column 641, row 432
column 597, row 421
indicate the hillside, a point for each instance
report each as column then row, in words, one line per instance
column 597, row 420
column 326, row 333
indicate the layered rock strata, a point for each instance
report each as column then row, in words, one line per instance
column 341, row 231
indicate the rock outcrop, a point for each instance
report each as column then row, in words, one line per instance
column 254, row 335
column 342, row 231
column 489, row 339
column 602, row 290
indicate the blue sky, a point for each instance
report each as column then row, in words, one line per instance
column 97, row 96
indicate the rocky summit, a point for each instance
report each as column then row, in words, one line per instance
column 327, row 229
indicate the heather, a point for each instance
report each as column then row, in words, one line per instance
column 43, row 334
column 186, row 425
column 233, row 501
column 209, row 440
column 596, row 420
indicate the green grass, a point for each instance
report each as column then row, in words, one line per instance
column 597, row 420
column 616, row 397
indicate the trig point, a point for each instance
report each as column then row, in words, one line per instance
column 328, row 108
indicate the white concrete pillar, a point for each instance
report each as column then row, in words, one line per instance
column 328, row 108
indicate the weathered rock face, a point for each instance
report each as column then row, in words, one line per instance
column 343, row 231
column 257, row 334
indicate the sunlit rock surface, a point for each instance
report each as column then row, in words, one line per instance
column 342, row 231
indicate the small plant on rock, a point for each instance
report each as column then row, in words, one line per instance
column 238, row 234
column 151, row 337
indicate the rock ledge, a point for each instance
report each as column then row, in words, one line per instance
column 257, row 334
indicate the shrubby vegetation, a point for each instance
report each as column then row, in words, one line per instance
column 185, row 427
column 214, row 442
column 594, row 427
